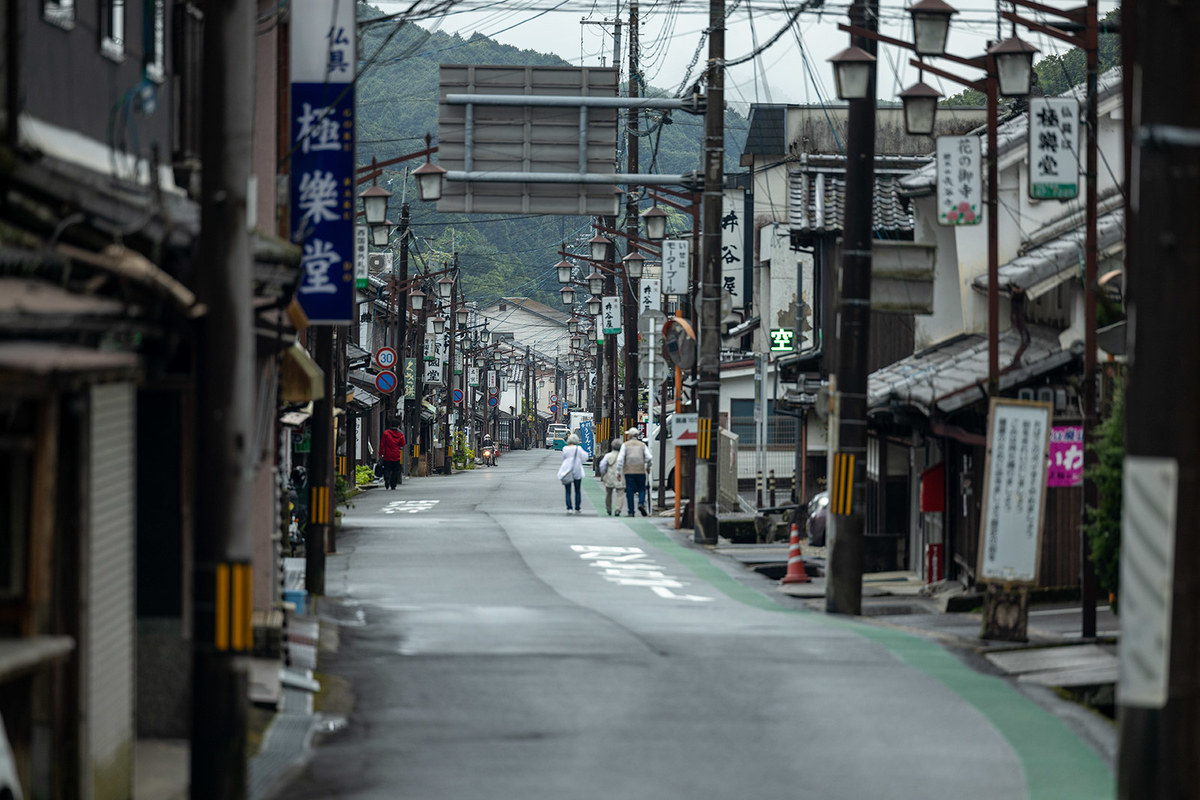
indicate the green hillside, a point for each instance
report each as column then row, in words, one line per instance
column 397, row 105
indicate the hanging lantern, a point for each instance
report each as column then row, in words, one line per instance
column 416, row 299
column 599, row 245
column 920, row 108
column 375, row 204
column 931, row 26
column 564, row 268
column 634, row 264
column 595, row 282
column 852, row 70
column 656, row 223
column 568, row 296
column 1014, row 66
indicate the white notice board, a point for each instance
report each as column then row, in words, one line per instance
column 1014, row 491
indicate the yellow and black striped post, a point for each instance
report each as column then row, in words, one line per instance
column 223, row 609
column 704, row 440
column 841, row 493
column 319, row 510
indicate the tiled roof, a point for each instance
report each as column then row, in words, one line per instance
column 1013, row 133
column 1057, row 255
column 818, row 195
column 767, row 134
column 953, row 374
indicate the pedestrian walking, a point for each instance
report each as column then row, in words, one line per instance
column 571, row 470
column 633, row 462
column 391, row 452
column 611, row 476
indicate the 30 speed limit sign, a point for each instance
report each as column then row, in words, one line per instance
column 385, row 357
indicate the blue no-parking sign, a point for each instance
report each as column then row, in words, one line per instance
column 386, row 382
column 456, row 395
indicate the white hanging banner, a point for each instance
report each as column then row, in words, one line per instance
column 650, row 295
column 1053, row 147
column 473, row 376
column 1014, row 490
column 959, row 180
column 675, row 263
column 360, row 257
column 611, row 314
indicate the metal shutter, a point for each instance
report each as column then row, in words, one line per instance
column 109, row 657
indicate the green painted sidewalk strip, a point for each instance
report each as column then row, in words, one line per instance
column 1058, row 764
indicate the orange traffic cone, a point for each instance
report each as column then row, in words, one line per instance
column 795, row 569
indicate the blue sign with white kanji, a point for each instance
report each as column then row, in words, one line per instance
column 321, row 200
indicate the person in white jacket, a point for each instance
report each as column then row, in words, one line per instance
column 634, row 462
column 570, row 472
column 611, row 477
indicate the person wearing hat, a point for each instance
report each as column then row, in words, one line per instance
column 634, row 462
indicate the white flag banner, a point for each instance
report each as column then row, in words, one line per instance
column 675, row 262
column 959, row 180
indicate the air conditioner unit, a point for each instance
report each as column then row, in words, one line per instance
column 375, row 263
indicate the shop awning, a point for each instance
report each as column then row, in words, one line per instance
column 300, row 378
column 356, row 356
column 363, row 400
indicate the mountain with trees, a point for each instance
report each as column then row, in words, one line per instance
column 397, row 104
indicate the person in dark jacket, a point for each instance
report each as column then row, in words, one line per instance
column 391, row 450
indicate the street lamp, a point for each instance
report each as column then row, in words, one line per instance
column 439, row 325
column 920, row 107
column 375, row 204
column 480, row 361
column 417, row 298
column 573, row 324
column 564, row 268
column 931, row 26
column 656, row 223
column 599, row 246
column 445, row 287
column 576, row 341
column 568, row 296
column 430, row 178
column 462, row 315
column 594, row 306
column 594, row 348
column 1014, row 66
column 634, row 264
column 852, row 72
column 595, row 282
column 381, row 233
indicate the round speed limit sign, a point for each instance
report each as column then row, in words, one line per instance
column 385, row 357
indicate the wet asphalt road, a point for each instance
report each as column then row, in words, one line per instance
column 498, row 648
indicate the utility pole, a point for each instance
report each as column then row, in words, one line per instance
column 843, row 592
column 1160, row 676
column 320, row 463
column 708, row 385
column 610, row 342
column 225, row 420
column 1091, row 388
column 449, row 374
column 629, row 298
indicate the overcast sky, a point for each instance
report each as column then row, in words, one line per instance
column 670, row 35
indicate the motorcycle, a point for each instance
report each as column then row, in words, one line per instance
column 489, row 456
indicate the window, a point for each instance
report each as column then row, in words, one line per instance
column 780, row 429
column 156, row 42
column 112, row 29
column 60, row 13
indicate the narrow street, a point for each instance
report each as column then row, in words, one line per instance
column 498, row 648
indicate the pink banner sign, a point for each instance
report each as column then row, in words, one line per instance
column 1066, row 456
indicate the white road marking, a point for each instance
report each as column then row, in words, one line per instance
column 662, row 591
column 625, row 566
column 408, row 506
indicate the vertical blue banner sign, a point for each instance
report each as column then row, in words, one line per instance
column 323, row 59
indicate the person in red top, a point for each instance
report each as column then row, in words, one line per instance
column 391, row 450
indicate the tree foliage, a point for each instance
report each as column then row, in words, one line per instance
column 1056, row 74
column 397, row 99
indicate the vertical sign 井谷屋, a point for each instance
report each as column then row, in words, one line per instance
column 733, row 240
column 675, row 266
column 1014, row 491
column 959, row 180
column 323, row 58
column 611, row 314
column 650, row 295
column 1053, row 147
